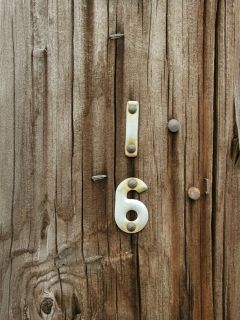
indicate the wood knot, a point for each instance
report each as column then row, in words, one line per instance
column 46, row 305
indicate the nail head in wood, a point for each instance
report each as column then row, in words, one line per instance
column 173, row 125
column 194, row 193
column 132, row 183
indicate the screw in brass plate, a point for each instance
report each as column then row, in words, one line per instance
column 132, row 108
column 131, row 148
column 194, row 193
column 132, row 183
column 131, row 226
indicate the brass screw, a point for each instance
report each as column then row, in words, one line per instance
column 194, row 193
column 131, row 148
column 131, row 226
column 132, row 183
column 173, row 125
column 132, row 108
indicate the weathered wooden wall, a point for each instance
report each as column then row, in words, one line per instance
column 64, row 88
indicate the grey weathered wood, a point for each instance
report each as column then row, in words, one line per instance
column 64, row 88
column 226, row 203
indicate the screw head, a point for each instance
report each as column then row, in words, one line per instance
column 194, row 193
column 132, row 183
column 131, row 226
column 46, row 305
column 131, row 148
column 132, row 108
column 173, row 125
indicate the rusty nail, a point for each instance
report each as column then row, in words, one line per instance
column 132, row 183
column 194, row 193
column 116, row 36
column 99, row 177
column 132, row 108
column 131, row 148
column 173, row 125
column 46, row 305
column 131, row 226
column 206, row 182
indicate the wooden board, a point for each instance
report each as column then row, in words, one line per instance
column 63, row 94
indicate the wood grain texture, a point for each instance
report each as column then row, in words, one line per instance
column 63, row 94
column 226, row 211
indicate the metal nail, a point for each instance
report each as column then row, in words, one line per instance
column 131, row 226
column 132, row 108
column 131, row 148
column 132, row 183
column 116, row 36
column 206, row 185
column 99, row 177
column 173, row 125
column 194, row 193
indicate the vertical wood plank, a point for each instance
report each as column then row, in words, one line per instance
column 7, row 162
column 226, row 158
column 92, row 111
